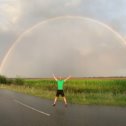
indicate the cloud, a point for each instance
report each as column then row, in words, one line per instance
column 67, row 46
column 111, row 12
column 73, row 3
column 18, row 15
column 10, row 12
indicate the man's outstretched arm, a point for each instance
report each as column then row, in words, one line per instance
column 67, row 78
column 55, row 78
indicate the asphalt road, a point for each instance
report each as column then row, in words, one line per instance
column 18, row 109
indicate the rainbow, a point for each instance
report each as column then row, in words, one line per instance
column 53, row 19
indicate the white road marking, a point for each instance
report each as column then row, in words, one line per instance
column 27, row 106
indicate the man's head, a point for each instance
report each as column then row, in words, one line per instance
column 60, row 78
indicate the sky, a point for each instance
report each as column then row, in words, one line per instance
column 83, row 38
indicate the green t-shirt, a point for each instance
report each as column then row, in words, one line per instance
column 60, row 84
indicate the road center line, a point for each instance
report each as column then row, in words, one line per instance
column 27, row 106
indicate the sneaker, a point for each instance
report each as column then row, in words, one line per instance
column 53, row 104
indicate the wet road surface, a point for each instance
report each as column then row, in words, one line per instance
column 17, row 109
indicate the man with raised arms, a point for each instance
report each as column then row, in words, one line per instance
column 60, row 91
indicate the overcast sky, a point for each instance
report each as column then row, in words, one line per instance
column 68, row 46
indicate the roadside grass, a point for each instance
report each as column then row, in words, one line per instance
column 78, row 91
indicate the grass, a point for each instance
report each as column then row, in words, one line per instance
column 79, row 91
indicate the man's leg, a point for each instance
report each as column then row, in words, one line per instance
column 64, row 98
column 55, row 100
column 65, row 101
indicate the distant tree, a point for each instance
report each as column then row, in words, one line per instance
column 19, row 81
column 3, row 79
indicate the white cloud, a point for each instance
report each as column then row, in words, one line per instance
column 10, row 13
column 73, row 3
column 11, row 10
column 3, row 24
column 57, row 43
column 18, row 15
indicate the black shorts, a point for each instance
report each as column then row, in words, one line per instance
column 60, row 92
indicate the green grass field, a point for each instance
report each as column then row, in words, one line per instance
column 79, row 91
